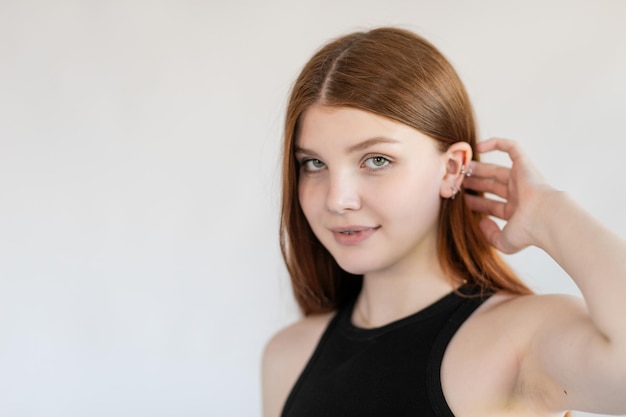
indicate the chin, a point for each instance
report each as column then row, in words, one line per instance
column 354, row 267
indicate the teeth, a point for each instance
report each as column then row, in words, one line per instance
column 349, row 232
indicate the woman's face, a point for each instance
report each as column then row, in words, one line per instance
column 370, row 188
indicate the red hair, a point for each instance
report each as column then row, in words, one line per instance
column 398, row 75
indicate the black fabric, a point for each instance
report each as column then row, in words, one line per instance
column 392, row 370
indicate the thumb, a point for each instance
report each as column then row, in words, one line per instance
column 493, row 233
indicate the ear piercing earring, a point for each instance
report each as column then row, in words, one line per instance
column 454, row 191
column 467, row 173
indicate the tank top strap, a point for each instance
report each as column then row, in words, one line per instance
column 470, row 304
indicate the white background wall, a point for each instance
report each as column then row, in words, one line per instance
column 139, row 266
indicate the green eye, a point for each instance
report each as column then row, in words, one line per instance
column 313, row 165
column 376, row 162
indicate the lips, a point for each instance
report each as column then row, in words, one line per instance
column 353, row 235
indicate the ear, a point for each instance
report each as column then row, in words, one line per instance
column 456, row 160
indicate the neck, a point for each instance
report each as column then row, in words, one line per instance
column 385, row 298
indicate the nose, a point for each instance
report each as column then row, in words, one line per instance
column 343, row 194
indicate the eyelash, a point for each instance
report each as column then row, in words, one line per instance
column 386, row 161
column 305, row 164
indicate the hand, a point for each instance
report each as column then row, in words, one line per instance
column 522, row 188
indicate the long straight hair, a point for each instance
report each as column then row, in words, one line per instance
column 399, row 75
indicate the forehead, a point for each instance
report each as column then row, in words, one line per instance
column 322, row 126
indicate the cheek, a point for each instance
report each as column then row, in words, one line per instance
column 416, row 195
column 307, row 199
column 423, row 181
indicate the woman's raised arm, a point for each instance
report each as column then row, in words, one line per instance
column 578, row 351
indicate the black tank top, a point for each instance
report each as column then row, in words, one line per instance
column 393, row 370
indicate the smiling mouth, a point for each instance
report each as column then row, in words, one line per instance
column 354, row 231
column 352, row 236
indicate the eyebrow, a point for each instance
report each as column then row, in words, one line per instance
column 369, row 143
column 354, row 148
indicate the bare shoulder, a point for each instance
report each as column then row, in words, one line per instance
column 490, row 347
column 530, row 315
column 284, row 358
column 542, row 301
column 522, row 320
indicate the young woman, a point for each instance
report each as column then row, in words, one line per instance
column 409, row 310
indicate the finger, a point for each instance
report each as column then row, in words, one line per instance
column 486, row 185
column 486, row 206
column 499, row 144
column 485, row 170
column 493, row 234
